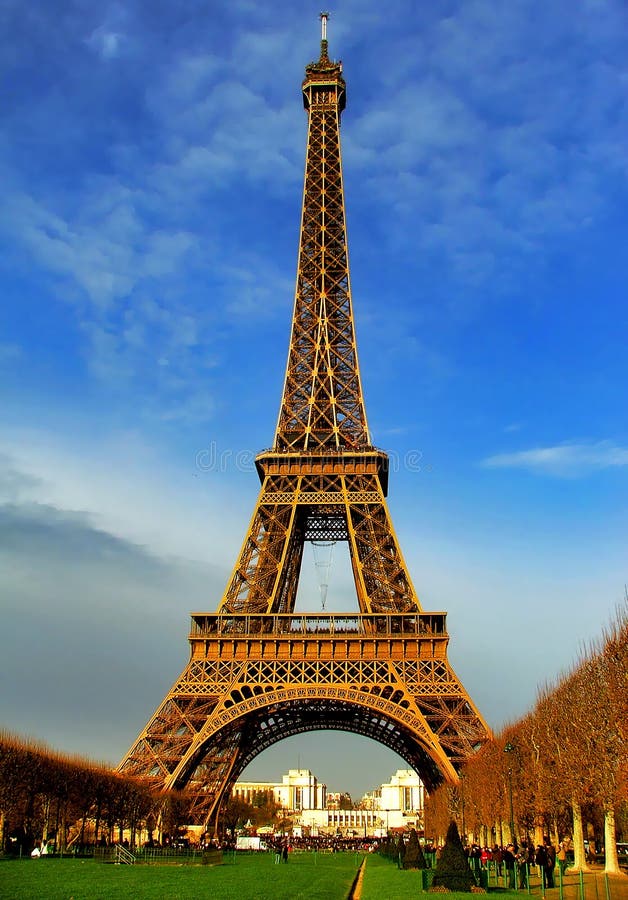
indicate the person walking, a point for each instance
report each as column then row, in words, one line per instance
column 550, row 852
column 522, row 866
column 540, row 858
column 509, row 863
column 498, row 856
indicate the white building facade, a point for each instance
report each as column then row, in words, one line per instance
column 405, row 794
column 298, row 790
column 399, row 804
column 396, row 805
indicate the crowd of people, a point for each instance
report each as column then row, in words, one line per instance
column 516, row 862
column 328, row 843
column 279, row 842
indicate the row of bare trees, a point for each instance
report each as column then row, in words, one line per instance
column 73, row 802
column 45, row 795
column 561, row 772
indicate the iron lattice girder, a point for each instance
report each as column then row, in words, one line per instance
column 299, row 496
column 322, row 402
column 275, row 723
column 264, row 728
column 258, row 672
column 384, row 676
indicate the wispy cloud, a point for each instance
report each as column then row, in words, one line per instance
column 108, row 44
column 505, row 138
column 481, row 137
column 569, row 460
column 152, row 304
column 136, row 240
column 109, row 39
column 88, row 581
column 120, row 486
column 15, row 484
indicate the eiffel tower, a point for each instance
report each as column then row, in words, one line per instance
column 258, row 671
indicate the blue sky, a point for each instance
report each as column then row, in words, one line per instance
column 151, row 157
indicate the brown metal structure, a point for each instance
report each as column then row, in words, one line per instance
column 258, row 671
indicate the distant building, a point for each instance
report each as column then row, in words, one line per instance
column 404, row 799
column 338, row 800
column 397, row 804
column 370, row 800
column 345, row 822
column 298, row 790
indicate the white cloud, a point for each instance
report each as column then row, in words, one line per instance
column 15, row 484
column 504, row 140
column 567, row 460
column 105, row 260
column 86, row 581
column 125, row 490
column 111, row 38
column 480, row 140
column 96, row 256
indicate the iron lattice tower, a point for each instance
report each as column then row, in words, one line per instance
column 258, row 672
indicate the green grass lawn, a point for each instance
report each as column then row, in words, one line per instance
column 382, row 880
column 251, row 877
column 254, row 877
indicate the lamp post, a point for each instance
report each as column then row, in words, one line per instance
column 509, row 748
column 464, row 830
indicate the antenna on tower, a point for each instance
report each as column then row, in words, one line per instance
column 324, row 17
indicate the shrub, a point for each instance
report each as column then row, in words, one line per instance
column 413, row 858
column 388, row 849
column 452, row 867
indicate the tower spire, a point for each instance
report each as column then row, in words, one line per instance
column 324, row 17
column 322, row 405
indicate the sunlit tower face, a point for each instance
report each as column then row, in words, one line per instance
column 258, row 670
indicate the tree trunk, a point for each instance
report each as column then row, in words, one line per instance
column 97, row 822
column 58, row 845
column 555, row 835
column 82, row 834
column 611, row 863
column 46, row 815
column 64, row 826
column 580, row 860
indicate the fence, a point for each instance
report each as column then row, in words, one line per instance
column 573, row 885
column 152, row 855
